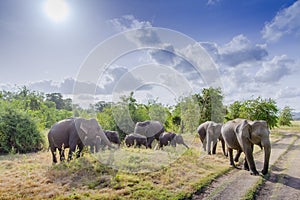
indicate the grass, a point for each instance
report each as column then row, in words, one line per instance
column 127, row 173
column 295, row 127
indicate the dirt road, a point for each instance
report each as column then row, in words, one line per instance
column 283, row 181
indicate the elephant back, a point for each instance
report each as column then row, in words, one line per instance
column 149, row 128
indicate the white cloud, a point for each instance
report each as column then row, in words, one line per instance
column 274, row 70
column 286, row 22
column 288, row 92
column 128, row 22
column 238, row 50
column 212, row 2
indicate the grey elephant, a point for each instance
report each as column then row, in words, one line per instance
column 72, row 133
column 169, row 138
column 242, row 135
column 209, row 132
column 112, row 136
column 151, row 129
column 94, row 144
column 136, row 139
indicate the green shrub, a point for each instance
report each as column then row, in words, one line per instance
column 18, row 132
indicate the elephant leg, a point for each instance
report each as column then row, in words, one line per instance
column 149, row 141
column 204, row 144
column 248, row 150
column 53, row 152
column 80, row 148
column 71, row 151
column 237, row 156
column 62, row 154
column 223, row 148
column 246, row 166
column 92, row 148
column 230, row 152
column 214, row 147
column 208, row 145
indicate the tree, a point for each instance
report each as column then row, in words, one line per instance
column 211, row 105
column 57, row 99
column 233, row 111
column 255, row 109
column 285, row 116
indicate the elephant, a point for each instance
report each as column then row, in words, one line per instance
column 94, row 144
column 169, row 138
column 74, row 132
column 242, row 135
column 136, row 139
column 112, row 136
column 209, row 132
column 151, row 129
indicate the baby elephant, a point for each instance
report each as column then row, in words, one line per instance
column 137, row 139
column 168, row 138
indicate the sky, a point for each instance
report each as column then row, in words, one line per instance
column 253, row 45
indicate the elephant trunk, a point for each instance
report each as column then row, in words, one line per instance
column 267, row 149
column 104, row 138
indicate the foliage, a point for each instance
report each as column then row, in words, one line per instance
column 189, row 115
column 285, row 116
column 255, row 109
column 31, row 112
column 198, row 108
column 60, row 103
column 18, row 132
column 211, row 105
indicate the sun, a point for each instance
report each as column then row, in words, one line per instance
column 56, row 10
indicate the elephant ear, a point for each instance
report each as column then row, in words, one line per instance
column 244, row 129
column 173, row 136
column 84, row 127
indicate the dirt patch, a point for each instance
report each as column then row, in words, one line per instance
column 284, row 179
column 237, row 183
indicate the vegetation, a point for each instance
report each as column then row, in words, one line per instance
column 42, row 111
column 285, row 117
column 255, row 109
column 18, row 132
column 23, row 116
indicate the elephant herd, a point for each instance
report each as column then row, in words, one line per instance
column 75, row 133
column 238, row 134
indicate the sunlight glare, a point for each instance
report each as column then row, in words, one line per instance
column 57, row 10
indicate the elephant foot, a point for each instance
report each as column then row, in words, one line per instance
column 234, row 166
column 264, row 172
column 254, row 173
column 246, row 168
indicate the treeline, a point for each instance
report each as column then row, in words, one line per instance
column 25, row 114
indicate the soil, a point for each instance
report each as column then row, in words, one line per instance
column 282, row 181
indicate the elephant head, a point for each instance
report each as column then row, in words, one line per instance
column 88, row 130
column 260, row 136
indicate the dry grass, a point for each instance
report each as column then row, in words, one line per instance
column 295, row 127
column 129, row 174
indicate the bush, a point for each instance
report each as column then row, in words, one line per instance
column 18, row 132
column 285, row 117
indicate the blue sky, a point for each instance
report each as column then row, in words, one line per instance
column 255, row 44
